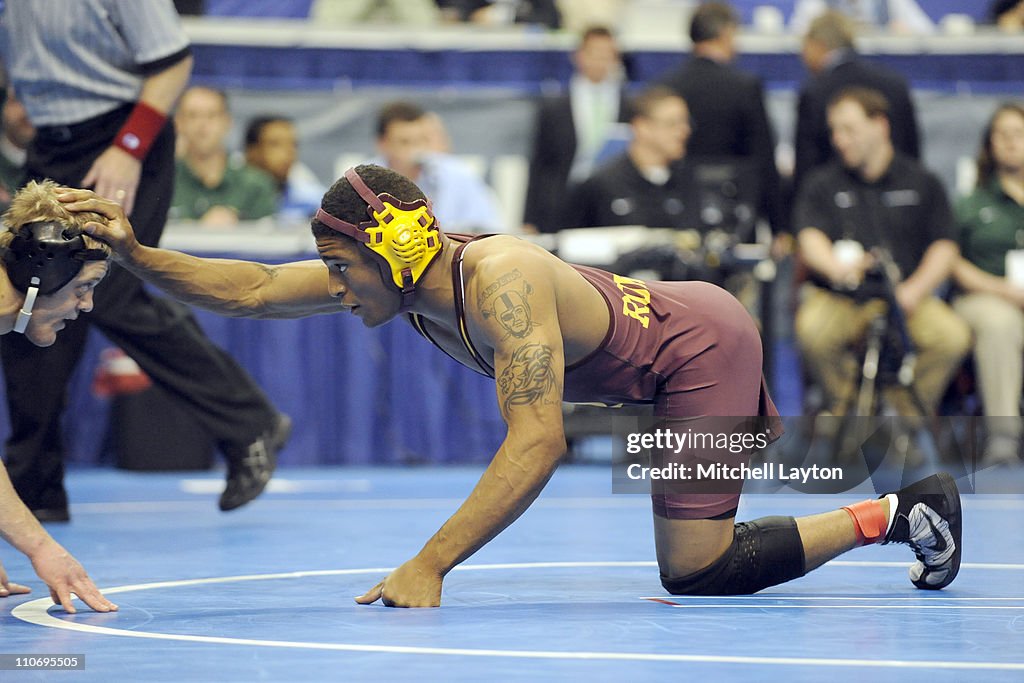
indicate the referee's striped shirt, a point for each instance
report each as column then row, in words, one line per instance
column 70, row 61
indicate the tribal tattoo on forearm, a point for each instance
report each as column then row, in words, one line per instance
column 529, row 377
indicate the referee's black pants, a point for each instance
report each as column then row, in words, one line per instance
column 161, row 335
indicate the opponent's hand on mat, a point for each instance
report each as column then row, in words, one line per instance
column 414, row 584
column 9, row 587
column 64, row 576
column 116, row 231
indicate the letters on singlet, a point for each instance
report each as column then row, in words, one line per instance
column 636, row 299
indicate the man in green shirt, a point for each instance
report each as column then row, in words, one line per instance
column 209, row 186
column 991, row 222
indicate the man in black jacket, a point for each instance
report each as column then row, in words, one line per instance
column 828, row 52
column 572, row 128
column 727, row 105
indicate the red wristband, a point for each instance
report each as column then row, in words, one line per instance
column 140, row 130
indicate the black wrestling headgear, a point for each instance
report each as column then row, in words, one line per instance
column 43, row 257
column 47, row 255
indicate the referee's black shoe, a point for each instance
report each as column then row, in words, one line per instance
column 250, row 468
column 929, row 520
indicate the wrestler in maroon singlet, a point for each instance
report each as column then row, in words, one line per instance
column 690, row 348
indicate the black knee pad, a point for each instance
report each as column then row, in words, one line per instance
column 764, row 553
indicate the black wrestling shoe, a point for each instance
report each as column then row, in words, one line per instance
column 249, row 470
column 928, row 519
column 52, row 514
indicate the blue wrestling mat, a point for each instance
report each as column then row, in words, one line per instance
column 569, row 592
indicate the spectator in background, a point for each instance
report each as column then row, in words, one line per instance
column 15, row 138
column 991, row 224
column 647, row 184
column 1008, row 15
column 437, row 138
column 833, row 63
column 572, row 128
column 210, row 186
column 421, row 12
column 100, row 110
column 727, row 106
column 271, row 145
column 503, row 12
column 578, row 15
column 897, row 16
column 874, row 197
column 462, row 201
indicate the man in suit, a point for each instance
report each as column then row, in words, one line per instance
column 828, row 51
column 727, row 105
column 572, row 128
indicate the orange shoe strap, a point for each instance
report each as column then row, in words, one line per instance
column 869, row 521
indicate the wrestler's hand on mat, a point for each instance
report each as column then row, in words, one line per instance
column 117, row 231
column 64, row 576
column 414, row 584
column 9, row 587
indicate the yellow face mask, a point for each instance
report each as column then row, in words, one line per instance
column 404, row 238
column 404, row 234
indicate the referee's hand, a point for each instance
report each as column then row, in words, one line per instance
column 115, row 175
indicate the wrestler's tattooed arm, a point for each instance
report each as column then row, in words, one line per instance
column 529, row 374
column 507, row 302
column 529, row 377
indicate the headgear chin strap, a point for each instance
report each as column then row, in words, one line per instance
column 404, row 234
column 41, row 259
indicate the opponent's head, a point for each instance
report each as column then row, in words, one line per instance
column 46, row 255
column 402, row 235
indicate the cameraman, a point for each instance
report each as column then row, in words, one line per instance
column 873, row 197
